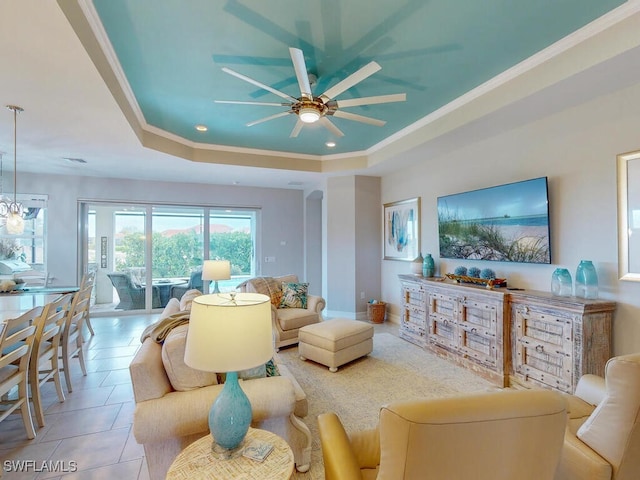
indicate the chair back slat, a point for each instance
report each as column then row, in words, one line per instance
column 16, row 338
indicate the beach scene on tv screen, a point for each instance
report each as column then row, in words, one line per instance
column 507, row 223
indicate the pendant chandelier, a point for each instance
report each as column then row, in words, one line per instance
column 11, row 210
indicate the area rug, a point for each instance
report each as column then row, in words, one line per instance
column 395, row 370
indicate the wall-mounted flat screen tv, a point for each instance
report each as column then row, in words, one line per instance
column 506, row 223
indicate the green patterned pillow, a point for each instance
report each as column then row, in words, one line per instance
column 294, row 295
column 272, row 369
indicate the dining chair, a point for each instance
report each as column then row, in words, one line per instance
column 44, row 365
column 88, row 279
column 72, row 339
column 16, row 342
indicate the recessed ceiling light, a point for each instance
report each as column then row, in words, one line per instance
column 202, row 128
column 330, row 144
column 75, row 160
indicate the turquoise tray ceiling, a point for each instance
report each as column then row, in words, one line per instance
column 172, row 53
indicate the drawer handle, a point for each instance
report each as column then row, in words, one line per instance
column 474, row 330
column 539, row 348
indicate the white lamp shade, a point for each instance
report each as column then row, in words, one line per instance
column 229, row 332
column 216, row 270
column 15, row 224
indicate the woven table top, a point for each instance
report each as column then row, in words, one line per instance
column 198, row 462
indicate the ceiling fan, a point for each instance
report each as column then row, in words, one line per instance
column 312, row 109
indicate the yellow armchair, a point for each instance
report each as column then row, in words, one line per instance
column 502, row 435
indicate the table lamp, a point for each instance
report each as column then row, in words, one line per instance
column 229, row 332
column 216, row 270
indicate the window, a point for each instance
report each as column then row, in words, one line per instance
column 164, row 246
column 29, row 246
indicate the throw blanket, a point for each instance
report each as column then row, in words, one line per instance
column 158, row 331
column 268, row 286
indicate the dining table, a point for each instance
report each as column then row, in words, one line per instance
column 18, row 301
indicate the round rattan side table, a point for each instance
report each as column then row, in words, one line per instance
column 198, row 462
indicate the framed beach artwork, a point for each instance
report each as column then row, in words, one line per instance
column 402, row 230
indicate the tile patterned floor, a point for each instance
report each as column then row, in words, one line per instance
column 88, row 436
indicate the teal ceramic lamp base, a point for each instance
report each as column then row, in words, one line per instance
column 216, row 289
column 229, row 419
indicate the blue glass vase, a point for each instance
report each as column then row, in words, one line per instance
column 586, row 280
column 428, row 266
column 561, row 283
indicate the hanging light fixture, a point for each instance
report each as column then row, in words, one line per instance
column 12, row 210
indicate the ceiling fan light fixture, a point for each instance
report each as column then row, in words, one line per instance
column 309, row 114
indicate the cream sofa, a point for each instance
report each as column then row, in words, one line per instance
column 167, row 419
column 286, row 321
column 602, row 440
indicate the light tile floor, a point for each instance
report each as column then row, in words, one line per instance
column 88, row 436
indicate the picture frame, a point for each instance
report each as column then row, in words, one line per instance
column 628, row 166
column 402, row 230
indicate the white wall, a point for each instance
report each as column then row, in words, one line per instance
column 576, row 149
column 340, row 246
column 281, row 215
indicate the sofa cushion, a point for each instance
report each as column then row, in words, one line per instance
column 609, row 429
column 294, row 318
column 187, row 298
column 294, row 295
column 173, row 306
column 182, row 377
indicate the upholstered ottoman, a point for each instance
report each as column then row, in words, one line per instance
column 335, row 342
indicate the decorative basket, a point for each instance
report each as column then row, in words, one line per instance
column 376, row 312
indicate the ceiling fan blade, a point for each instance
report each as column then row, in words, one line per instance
column 355, row 102
column 296, row 129
column 266, row 104
column 257, row 84
column 356, row 77
column 331, row 127
column 299, row 65
column 358, row 118
column 266, row 119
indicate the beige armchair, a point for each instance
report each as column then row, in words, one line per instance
column 503, row 435
column 602, row 440
column 286, row 321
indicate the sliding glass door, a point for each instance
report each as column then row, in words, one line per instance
column 144, row 255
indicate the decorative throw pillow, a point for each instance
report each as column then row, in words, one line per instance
column 269, row 369
column 182, row 377
column 294, row 295
column 272, row 369
column 256, row 372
